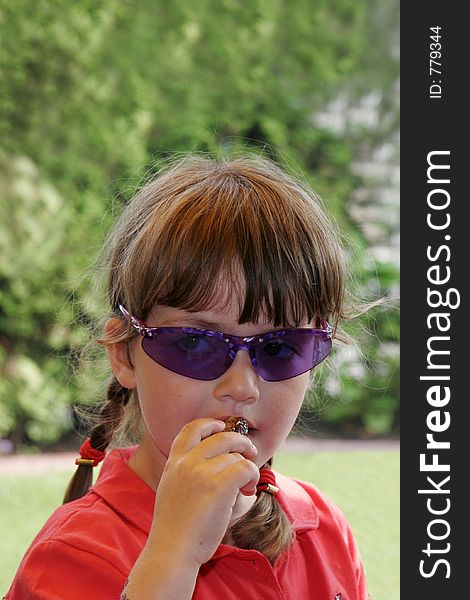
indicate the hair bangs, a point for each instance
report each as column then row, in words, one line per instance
column 205, row 231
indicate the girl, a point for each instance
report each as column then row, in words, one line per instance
column 222, row 279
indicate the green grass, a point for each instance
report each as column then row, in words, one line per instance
column 26, row 501
column 365, row 486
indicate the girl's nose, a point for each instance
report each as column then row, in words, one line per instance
column 240, row 382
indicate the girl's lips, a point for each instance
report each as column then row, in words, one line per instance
column 250, row 425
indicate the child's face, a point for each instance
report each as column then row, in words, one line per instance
column 168, row 401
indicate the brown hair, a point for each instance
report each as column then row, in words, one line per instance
column 203, row 219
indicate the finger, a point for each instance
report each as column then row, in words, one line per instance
column 219, row 463
column 224, row 443
column 193, row 433
column 242, row 473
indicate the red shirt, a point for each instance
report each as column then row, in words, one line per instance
column 88, row 547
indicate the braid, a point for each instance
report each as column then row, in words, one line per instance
column 111, row 413
column 101, row 435
column 265, row 527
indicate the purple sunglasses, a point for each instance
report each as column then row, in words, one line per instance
column 206, row 355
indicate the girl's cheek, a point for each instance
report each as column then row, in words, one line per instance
column 164, row 415
column 162, row 437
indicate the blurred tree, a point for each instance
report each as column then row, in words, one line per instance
column 96, row 92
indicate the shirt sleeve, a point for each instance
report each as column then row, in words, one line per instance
column 55, row 570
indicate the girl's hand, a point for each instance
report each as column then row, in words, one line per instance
column 199, row 486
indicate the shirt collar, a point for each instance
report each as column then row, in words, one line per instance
column 120, row 487
column 297, row 504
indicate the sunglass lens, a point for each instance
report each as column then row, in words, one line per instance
column 291, row 354
column 193, row 355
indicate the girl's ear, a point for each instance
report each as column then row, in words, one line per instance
column 119, row 357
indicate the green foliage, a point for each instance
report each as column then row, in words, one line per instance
column 95, row 92
column 357, row 392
